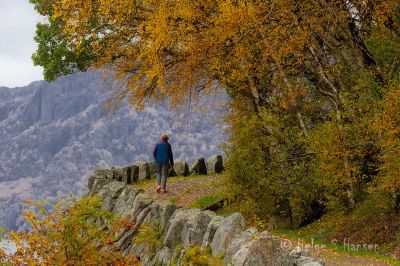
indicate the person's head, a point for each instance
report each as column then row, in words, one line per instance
column 164, row 137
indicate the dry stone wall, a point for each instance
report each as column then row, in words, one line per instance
column 140, row 171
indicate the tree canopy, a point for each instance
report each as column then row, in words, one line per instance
column 313, row 85
column 245, row 46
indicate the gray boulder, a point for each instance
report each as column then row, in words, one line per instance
column 266, row 249
column 173, row 231
column 229, row 228
column 186, row 226
column 110, row 193
column 181, row 168
column 144, row 170
column 95, row 184
column 262, row 250
column 211, row 229
column 238, row 242
column 199, row 167
column 194, row 230
column 302, row 257
column 141, row 201
column 215, row 164
column 125, row 202
column 160, row 214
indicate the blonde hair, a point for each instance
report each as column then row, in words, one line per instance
column 164, row 136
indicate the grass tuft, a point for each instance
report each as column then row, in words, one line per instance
column 206, row 201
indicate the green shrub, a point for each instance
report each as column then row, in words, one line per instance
column 268, row 171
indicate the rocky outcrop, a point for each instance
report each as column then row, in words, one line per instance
column 183, row 228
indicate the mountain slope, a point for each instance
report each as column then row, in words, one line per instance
column 53, row 135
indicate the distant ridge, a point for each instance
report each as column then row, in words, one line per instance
column 53, row 135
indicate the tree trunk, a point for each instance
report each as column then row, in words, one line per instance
column 290, row 89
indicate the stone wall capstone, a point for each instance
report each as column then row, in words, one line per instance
column 199, row 167
column 144, row 170
column 140, row 171
column 215, row 164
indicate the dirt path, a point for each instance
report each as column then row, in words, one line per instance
column 183, row 191
column 333, row 259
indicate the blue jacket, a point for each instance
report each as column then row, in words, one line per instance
column 163, row 153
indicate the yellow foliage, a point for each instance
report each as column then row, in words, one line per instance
column 387, row 125
column 67, row 235
column 172, row 49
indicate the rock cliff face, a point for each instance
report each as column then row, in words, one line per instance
column 181, row 229
column 53, row 135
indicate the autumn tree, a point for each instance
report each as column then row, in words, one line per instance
column 305, row 75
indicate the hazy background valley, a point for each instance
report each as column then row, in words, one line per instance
column 52, row 136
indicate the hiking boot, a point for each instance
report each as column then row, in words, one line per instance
column 158, row 188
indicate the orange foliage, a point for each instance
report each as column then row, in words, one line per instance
column 173, row 49
column 67, row 236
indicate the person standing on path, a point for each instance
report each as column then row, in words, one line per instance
column 164, row 158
